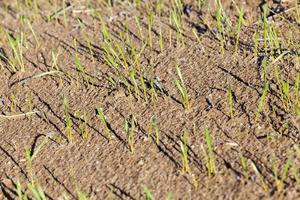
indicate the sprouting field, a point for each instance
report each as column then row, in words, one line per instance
column 154, row 100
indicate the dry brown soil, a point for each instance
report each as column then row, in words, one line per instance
column 108, row 170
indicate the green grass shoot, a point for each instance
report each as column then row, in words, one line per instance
column 182, row 89
column 79, row 65
column 12, row 103
column 16, row 45
column 135, row 85
column 238, row 32
column 296, row 89
column 69, row 123
column 37, row 191
column 20, row 194
column 220, row 29
column 153, row 127
column 196, row 36
column 144, row 87
column 286, row 91
column 264, row 67
column 83, row 126
column 281, row 180
column 260, row 177
column 102, row 118
column 139, row 28
column 244, row 166
column 29, row 163
column 176, row 18
column 81, row 196
column 210, row 156
column 262, row 100
column 230, row 100
column 148, row 194
column 150, row 24
column 130, row 129
column 184, row 153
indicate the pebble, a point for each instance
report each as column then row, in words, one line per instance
column 141, row 162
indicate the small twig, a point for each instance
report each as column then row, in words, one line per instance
column 37, row 76
column 18, row 115
column 60, row 11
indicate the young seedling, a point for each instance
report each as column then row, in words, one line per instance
column 121, row 52
column 30, row 105
column 297, row 90
column 7, row 60
column 150, row 24
column 261, row 178
column 79, row 65
column 144, row 87
column 209, row 153
column 255, row 38
column 161, row 39
column 69, row 123
column 280, row 180
column 81, row 195
column 169, row 197
column 83, row 124
column 101, row 116
column 91, row 51
column 176, row 18
column 182, row 89
column 136, row 56
column 110, row 59
column 262, row 100
column 286, row 91
column 238, row 32
column 279, row 82
column 264, row 67
column 148, row 195
column 220, row 27
column 184, row 153
column 35, row 7
column 55, row 67
column 196, row 35
column 64, row 13
column 154, row 95
column 159, row 9
column 135, row 85
column 139, row 28
column 128, row 87
column 200, row 3
column 153, row 125
column 170, row 30
column 31, row 155
column 12, row 103
column 294, row 172
column 17, row 47
column 33, row 33
column 244, row 165
column 130, row 129
column 37, row 191
column 230, row 100
column 19, row 191
column 29, row 164
column 58, row 12
column 275, row 39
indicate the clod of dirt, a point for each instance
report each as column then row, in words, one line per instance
column 187, row 10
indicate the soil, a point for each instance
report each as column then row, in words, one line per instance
column 104, row 169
